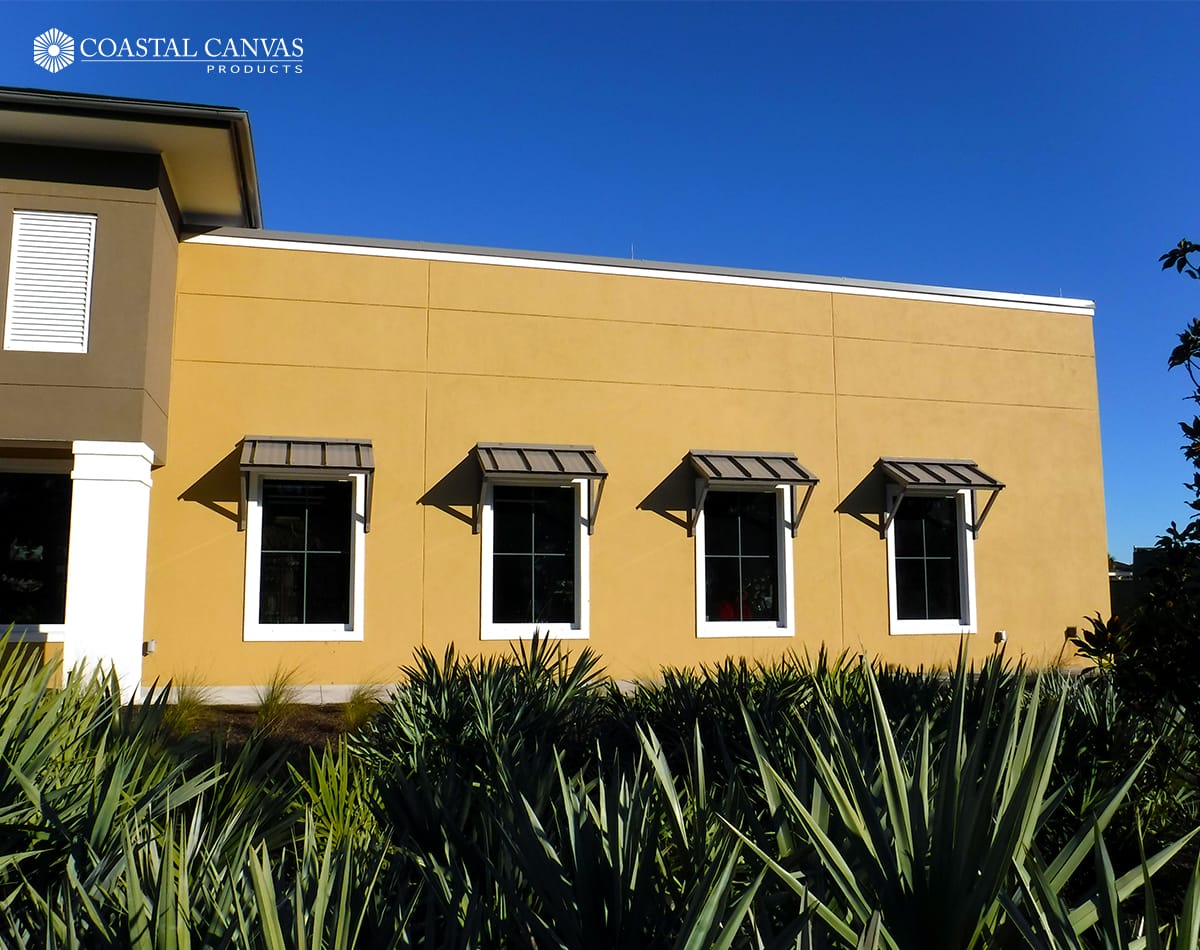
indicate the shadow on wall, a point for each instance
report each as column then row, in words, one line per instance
column 457, row 489
column 218, row 489
column 866, row 501
column 675, row 493
column 457, row 492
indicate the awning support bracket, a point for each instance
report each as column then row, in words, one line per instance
column 694, row 514
column 243, row 499
column 293, row 473
column 890, row 514
column 702, row 487
column 973, row 526
column 798, row 513
column 369, row 491
column 595, row 489
column 593, row 501
column 935, row 476
column 299, row 458
column 477, row 519
column 978, row 523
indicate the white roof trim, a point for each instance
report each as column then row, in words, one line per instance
column 975, row 298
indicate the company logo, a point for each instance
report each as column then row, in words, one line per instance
column 53, row 50
column 276, row 55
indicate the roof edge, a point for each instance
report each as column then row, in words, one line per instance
column 383, row 247
column 236, row 121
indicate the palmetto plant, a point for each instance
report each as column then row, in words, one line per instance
column 936, row 839
column 524, row 802
column 627, row 858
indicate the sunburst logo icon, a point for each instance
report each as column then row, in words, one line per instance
column 53, row 50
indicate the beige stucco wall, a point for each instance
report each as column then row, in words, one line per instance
column 428, row 357
column 118, row 390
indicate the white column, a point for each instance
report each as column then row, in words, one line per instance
column 106, row 560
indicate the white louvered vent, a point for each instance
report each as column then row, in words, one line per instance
column 50, row 282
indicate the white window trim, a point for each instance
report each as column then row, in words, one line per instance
column 966, row 570
column 304, row 632
column 785, row 626
column 576, row 630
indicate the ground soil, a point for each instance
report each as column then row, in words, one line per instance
column 299, row 725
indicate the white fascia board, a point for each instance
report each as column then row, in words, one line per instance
column 972, row 298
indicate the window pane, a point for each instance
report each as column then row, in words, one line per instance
column 554, row 589
column 330, row 508
column 307, row 516
column 942, row 577
column 926, row 539
column 308, row 532
column 927, row 527
column 758, row 511
column 327, row 588
column 941, row 527
column 759, row 578
column 511, row 524
column 512, row 592
column 554, row 520
column 35, row 526
column 281, row 589
column 908, row 531
column 910, row 589
column 741, row 548
column 722, row 588
column 283, row 516
column 534, row 534
column 721, row 522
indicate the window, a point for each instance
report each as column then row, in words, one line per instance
column 536, row 511
column 535, row 547
column 305, row 540
column 744, row 564
column 35, row 527
column 50, row 282
column 931, row 575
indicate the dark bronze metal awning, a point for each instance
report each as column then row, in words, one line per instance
column 750, row 470
column 284, row 455
column 515, row 461
column 937, row 476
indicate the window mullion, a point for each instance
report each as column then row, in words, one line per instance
column 741, row 600
column 925, row 564
column 532, row 559
column 304, row 572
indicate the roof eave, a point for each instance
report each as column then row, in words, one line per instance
column 235, row 121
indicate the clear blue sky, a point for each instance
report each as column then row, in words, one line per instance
column 1034, row 148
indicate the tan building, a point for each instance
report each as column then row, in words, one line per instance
column 226, row 451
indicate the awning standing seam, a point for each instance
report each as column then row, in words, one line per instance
column 502, row 461
column 931, row 476
column 750, row 470
column 284, row 455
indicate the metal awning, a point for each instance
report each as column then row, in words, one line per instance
column 283, row 455
column 750, row 470
column 937, row 476
column 503, row 461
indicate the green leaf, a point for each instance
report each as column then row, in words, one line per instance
column 268, row 908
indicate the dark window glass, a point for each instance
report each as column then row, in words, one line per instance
column 35, row 525
column 307, row 534
column 926, row 545
column 741, row 556
column 533, row 554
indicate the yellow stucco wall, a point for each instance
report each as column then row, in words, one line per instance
column 426, row 358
